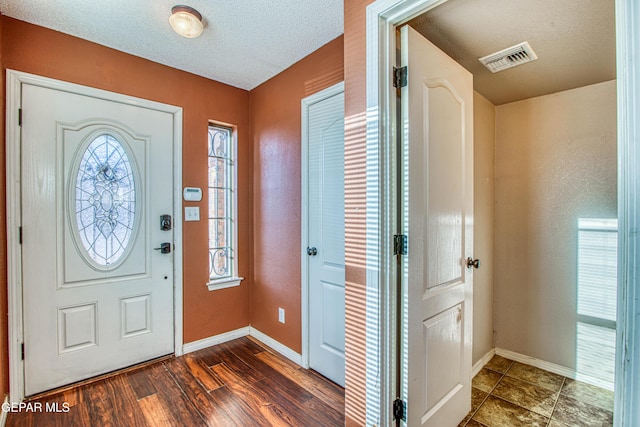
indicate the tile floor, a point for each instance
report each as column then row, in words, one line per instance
column 510, row 394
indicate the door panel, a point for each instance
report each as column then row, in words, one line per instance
column 445, row 203
column 76, row 327
column 326, row 232
column 438, row 219
column 96, row 176
column 332, row 339
column 135, row 315
column 443, row 336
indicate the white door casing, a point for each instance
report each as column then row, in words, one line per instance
column 437, row 113
column 82, row 318
column 323, row 232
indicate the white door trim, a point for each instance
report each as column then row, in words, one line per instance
column 13, row 188
column 627, row 380
column 381, row 20
column 306, row 103
column 382, row 17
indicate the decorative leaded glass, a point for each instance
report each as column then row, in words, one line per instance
column 220, row 203
column 105, row 200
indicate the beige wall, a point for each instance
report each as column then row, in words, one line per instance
column 555, row 163
column 483, row 172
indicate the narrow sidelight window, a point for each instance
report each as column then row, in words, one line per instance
column 222, row 208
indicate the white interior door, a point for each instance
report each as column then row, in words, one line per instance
column 326, row 235
column 437, row 113
column 96, row 177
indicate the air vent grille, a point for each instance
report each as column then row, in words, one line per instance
column 509, row 57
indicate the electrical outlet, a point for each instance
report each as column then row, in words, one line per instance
column 280, row 315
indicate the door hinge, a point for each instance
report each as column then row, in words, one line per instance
column 399, row 410
column 400, row 244
column 399, row 77
column 20, row 235
column 19, row 116
column 22, row 350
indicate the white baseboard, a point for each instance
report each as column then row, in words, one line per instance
column 214, row 340
column 3, row 414
column 243, row 332
column 280, row 348
column 477, row 367
column 552, row 367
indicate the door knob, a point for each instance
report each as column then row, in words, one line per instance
column 165, row 248
column 475, row 263
column 312, row 251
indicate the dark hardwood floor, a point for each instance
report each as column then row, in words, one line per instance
column 238, row 383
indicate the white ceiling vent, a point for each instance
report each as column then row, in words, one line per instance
column 509, row 57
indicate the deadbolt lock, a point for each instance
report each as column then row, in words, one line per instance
column 165, row 222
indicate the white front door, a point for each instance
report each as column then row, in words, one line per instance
column 96, row 177
column 325, row 222
column 437, row 113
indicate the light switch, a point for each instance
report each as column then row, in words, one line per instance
column 192, row 213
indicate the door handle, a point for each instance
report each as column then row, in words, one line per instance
column 165, row 248
column 312, row 251
column 475, row 263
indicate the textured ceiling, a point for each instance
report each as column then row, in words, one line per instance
column 574, row 41
column 245, row 42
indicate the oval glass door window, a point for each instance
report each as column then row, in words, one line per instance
column 105, row 202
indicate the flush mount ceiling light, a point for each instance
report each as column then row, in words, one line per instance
column 186, row 21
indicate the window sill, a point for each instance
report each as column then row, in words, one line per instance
column 229, row 282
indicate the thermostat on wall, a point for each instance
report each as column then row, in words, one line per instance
column 192, row 194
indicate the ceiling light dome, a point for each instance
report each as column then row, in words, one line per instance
column 186, row 21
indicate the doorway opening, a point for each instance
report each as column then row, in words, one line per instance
column 383, row 17
column 542, row 187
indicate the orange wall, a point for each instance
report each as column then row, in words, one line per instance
column 355, row 202
column 271, row 110
column 275, row 114
column 37, row 50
